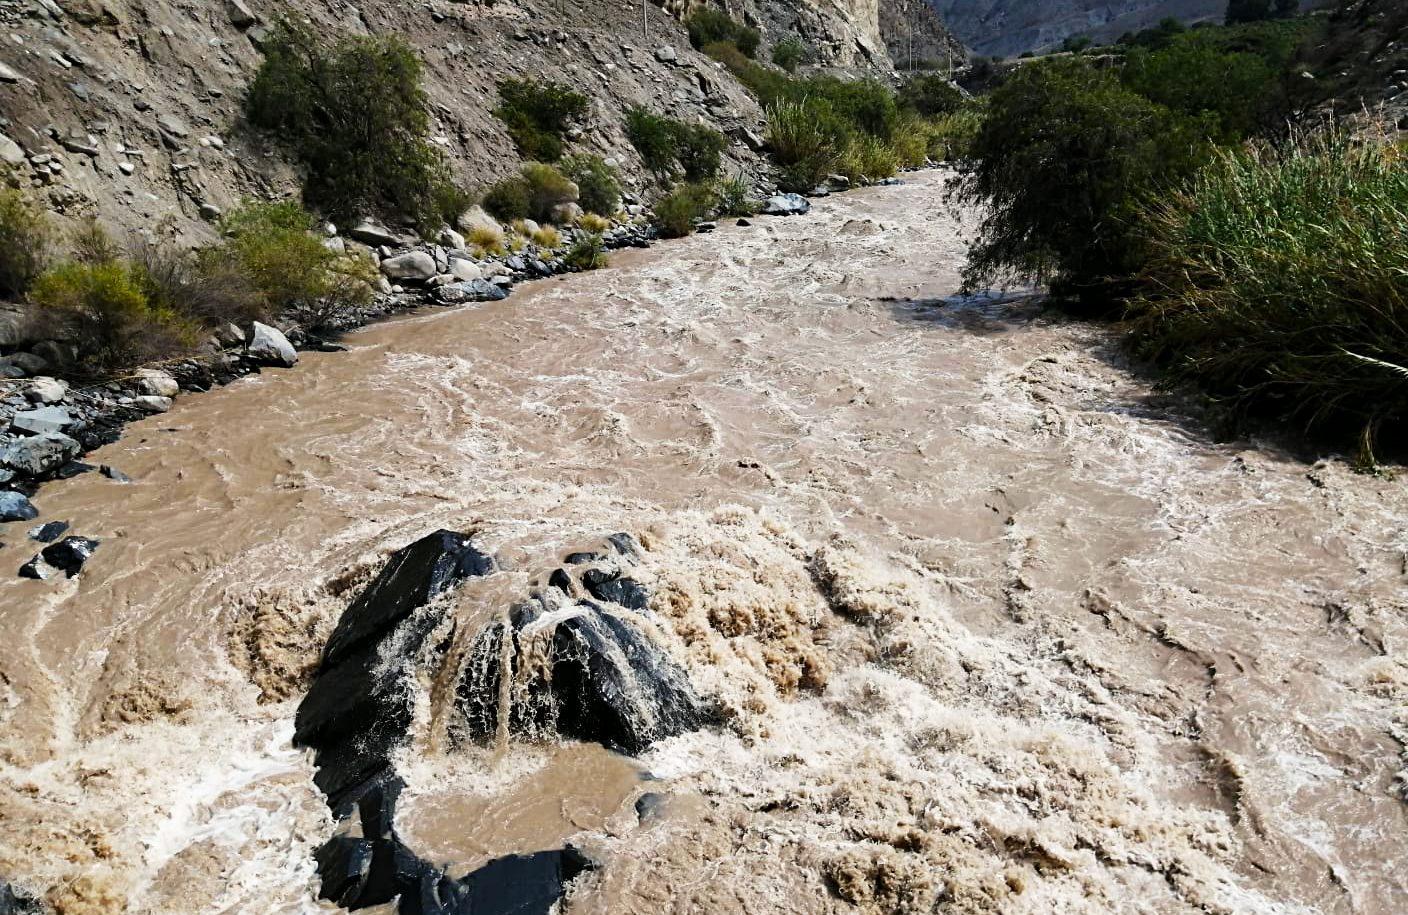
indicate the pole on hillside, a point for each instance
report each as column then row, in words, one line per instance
column 644, row 23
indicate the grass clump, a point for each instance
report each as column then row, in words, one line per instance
column 538, row 115
column 110, row 316
column 1278, row 278
column 678, row 211
column 485, row 241
column 868, row 159
column 598, row 185
column 587, row 253
column 26, row 239
column 534, row 193
column 735, row 197
column 545, row 237
column 352, row 109
column 668, row 146
column 708, row 26
column 593, row 223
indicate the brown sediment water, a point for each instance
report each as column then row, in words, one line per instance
column 994, row 627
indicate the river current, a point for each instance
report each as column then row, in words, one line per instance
column 995, row 627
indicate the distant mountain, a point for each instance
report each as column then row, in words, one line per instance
column 1009, row 27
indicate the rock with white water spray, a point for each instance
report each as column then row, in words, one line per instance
column 15, row 507
column 69, row 554
column 268, row 346
column 40, row 453
column 786, row 205
column 473, row 291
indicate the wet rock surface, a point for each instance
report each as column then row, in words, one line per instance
column 606, row 681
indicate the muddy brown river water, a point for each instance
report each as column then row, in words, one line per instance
column 995, row 627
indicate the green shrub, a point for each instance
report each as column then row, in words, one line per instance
column 352, row 110
column 593, row 223
column 767, row 85
column 109, row 315
column 1279, row 279
column 735, row 197
column 485, row 241
column 806, row 147
column 1061, row 158
column 538, row 115
column 664, row 143
column 678, row 211
column 25, row 242
column 287, row 265
column 868, row 159
column 598, row 187
column 207, row 286
column 545, row 237
column 789, row 53
column 710, row 26
column 951, row 136
column 548, row 189
column 864, row 105
column 698, row 148
column 911, row 142
column 91, row 244
column 653, row 136
column 507, row 199
column 1242, row 90
column 930, row 94
column 587, row 253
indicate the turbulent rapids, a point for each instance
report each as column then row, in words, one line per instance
column 756, row 573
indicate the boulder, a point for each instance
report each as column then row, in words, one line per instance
column 10, row 151
column 155, row 382
column 15, row 507
column 268, row 346
column 36, row 568
column 786, row 205
column 450, row 238
column 476, row 218
column 48, row 354
column 31, row 364
column 229, row 335
column 150, row 403
column 465, row 271
column 43, row 419
column 566, row 214
column 411, row 577
column 666, row 54
column 40, row 453
column 371, row 232
column 413, row 265
column 46, row 390
column 472, row 291
column 239, row 15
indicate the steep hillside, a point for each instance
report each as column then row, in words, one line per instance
column 914, row 34
column 1361, row 61
column 130, row 110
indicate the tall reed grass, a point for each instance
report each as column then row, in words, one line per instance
column 1278, row 278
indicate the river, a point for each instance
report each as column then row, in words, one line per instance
column 996, row 626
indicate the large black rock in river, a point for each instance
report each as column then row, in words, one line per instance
column 605, row 681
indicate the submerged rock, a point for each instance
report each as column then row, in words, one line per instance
column 15, row 901
column 48, row 533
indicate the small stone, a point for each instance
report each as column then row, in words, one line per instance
column 126, row 168
column 37, row 569
column 15, row 507
column 210, row 211
column 7, row 75
column 666, row 54
column 112, row 473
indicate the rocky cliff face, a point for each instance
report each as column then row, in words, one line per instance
column 1008, row 27
column 130, row 110
column 916, row 36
